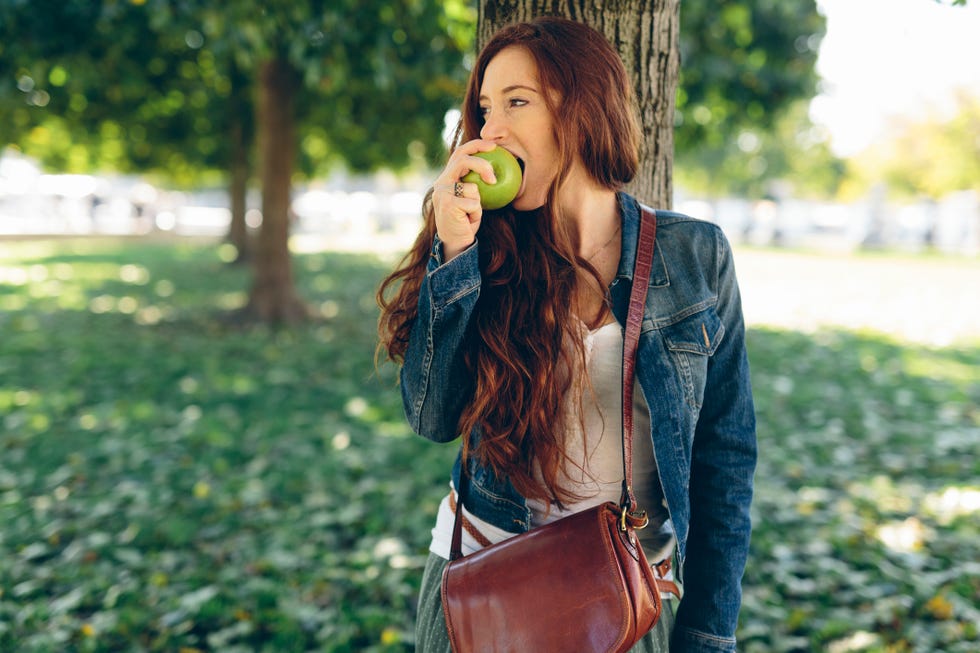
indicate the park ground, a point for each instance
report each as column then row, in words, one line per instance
column 171, row 480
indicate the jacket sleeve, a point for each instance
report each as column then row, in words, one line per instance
column 723, row 459
column 433, row 380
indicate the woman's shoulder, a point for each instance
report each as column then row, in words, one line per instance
column 680, row 231
column 682, row 222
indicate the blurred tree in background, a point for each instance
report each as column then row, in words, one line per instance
column 367, row 83
column 93, row 86
column 174, row 88
column 748, row 71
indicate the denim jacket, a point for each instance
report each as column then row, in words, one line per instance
column 694, row 373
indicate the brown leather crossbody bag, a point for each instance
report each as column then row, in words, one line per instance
column 581, row 583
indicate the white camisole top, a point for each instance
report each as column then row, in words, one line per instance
column 597, row 472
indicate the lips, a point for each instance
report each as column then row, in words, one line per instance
column 520, row 162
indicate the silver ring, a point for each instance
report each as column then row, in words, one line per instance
column 458, row 189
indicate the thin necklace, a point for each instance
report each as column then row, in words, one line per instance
column 608, row 243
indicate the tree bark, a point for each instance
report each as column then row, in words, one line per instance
column 646, row 34
column 238, row 165
column 273, row 297
column 238, row 191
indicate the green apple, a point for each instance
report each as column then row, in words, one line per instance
column 508, row 173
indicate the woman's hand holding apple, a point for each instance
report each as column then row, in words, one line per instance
column 458, row 216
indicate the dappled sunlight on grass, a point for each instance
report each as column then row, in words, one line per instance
column 953, row 502
column 906, row 536
column 860, row 451
column 941, row 367
column 76, row 276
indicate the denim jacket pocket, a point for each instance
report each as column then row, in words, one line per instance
column 691, row 342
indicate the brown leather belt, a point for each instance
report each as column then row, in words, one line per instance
column 468, row 525
column 662, row 568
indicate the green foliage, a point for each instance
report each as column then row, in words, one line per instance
column 926, row 157
column 403, row 74
column 165, row 86
column 744, row 67
column 101, row 86
column 378, row 76
column 170, row 481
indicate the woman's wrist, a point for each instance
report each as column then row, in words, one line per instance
column 451, row 251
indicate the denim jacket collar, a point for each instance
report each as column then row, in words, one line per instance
column 629, row 210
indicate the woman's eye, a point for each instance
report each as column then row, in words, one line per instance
column 511, row 103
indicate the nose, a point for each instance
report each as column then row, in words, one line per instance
column 493, row 128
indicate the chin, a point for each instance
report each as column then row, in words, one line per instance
column 524, row 203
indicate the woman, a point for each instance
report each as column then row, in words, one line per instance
column 507, row 326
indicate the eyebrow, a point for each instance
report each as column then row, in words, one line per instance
column 513, row 87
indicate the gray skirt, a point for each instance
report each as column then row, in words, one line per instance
column 430, row 628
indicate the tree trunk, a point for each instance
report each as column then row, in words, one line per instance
column 239, row 132
column 237, row 191
column 273, row 297
column 646, row 34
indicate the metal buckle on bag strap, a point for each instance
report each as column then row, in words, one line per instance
column 638, row 519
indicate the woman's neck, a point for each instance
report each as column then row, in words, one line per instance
column 590, row 212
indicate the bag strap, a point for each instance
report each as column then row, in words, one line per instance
column 631, row 340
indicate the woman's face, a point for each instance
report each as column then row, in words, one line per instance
column 517, row 118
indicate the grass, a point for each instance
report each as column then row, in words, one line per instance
column 172, row 482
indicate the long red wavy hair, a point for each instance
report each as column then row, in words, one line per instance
column 523, row 336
